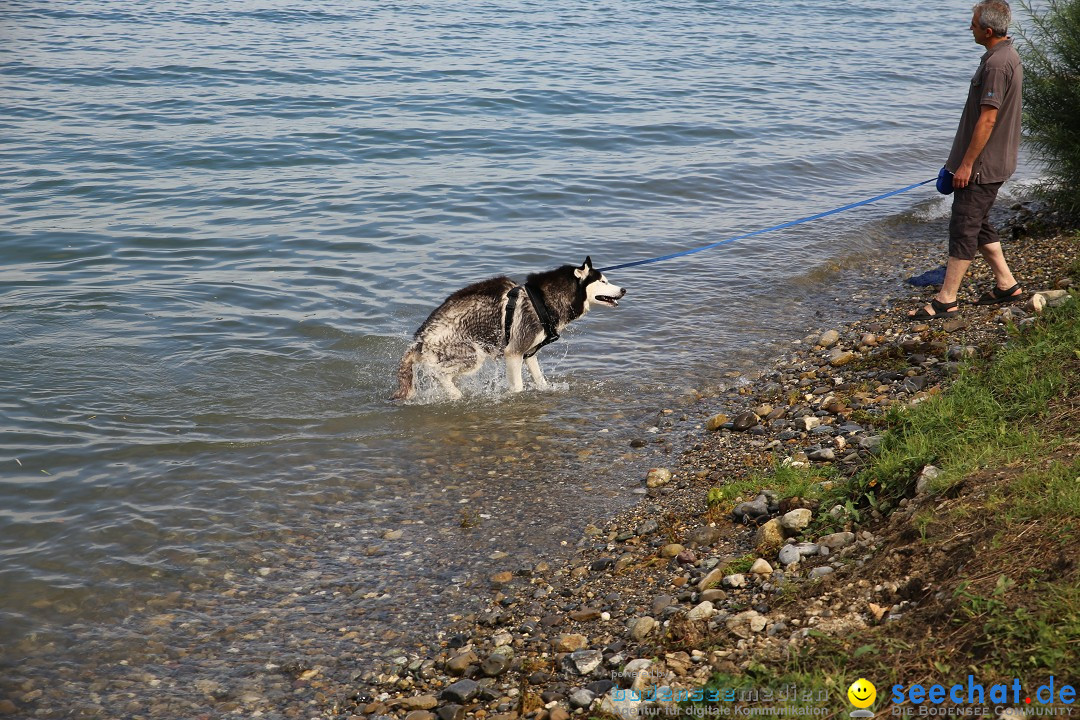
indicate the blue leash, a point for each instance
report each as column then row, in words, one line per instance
column 768, row 229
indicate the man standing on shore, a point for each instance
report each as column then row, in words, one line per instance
column 983, row 156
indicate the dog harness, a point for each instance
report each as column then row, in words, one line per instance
column 543, row 313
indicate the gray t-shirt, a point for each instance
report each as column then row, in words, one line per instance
column 998, row 82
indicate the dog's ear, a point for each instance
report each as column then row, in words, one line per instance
column 583, row 272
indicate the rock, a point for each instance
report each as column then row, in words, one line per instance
column 833, row 405
column 502, row 578
column 571, row 642
column 777, row 414
column 793, row 553
column 789, row 554
column 746, row 623
column 926, row 477
column 702, row 611
column 660, row 602
column 671, row 550
column 581, row 699
column 808, row 422
column 737, row 580
column 626, row 707
column 599, row 687
column 745, row 421
column 641, row 627
column 712, row 578
column 703, row 536
column 451, row 711
column 658, row 477
column 868, row 339
column 647, row 528
column 497, row 662
column 820, row 572
column 915, row 384
column 869, row 442
column 584, row 615
column 716, row 422
column 769, row 536
column 558, row 713
column 678, row 662
column 837, row 540
column 638, row 670
column 797, row 520
column 7, row 707
column 961, row 352
column 761, row 566
column 713, row 595
column 1011, row 315
column 458, row 664
column 828, row 339
column 461, row 692
column 585, row 661
column 839, row 359
column 821, row 455
column 1046, row 298
column 951, row 325
column 753, row 509
column 420, row 702
column 420, row 715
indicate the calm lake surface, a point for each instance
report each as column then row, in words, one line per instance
column 222, row 222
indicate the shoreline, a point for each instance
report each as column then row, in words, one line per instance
column 557, row 641
column 627, row 582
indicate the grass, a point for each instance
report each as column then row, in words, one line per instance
column 786, row 481
column 994, row 413
column 1005, row 435
column 1019, row 639
column 740, row 565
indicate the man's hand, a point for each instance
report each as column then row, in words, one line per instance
column 962, row 177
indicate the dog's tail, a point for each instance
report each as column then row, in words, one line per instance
column 405, row 373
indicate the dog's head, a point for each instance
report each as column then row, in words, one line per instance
column 597, row 288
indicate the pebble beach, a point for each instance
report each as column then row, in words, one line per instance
column 649, row 589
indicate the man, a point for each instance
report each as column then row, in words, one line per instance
column 983, row 156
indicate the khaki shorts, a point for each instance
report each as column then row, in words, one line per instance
column 969, row 228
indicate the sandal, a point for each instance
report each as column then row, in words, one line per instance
column 940, row 310
column 996, row 296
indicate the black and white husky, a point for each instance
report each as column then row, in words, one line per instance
column 499, row 317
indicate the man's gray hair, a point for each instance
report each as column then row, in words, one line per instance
column 996, row 15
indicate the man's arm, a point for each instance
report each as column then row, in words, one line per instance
column 983, row 127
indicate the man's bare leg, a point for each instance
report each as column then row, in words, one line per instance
column 995, row 258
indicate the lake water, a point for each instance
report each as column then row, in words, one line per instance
column 222, row 222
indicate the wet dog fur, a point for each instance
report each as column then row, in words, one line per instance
column 470, row 326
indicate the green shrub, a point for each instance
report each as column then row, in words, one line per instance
column 1051, row 55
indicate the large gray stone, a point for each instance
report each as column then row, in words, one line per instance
column 584, row 662
column 581, row 698
column 461, row 692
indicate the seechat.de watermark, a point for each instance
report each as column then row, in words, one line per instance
column 972, row 698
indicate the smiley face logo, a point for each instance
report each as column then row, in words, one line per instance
column 862, row 693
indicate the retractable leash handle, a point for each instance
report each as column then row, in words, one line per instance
column 781, row 226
